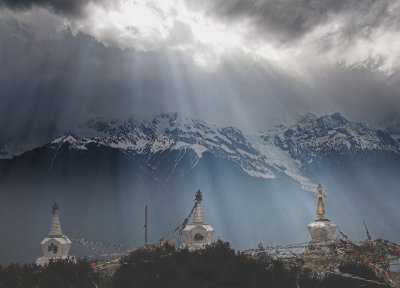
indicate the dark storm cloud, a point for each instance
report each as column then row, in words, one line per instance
column 350, row 33
column 70, row 7
column 288, row 20
column 283, row 20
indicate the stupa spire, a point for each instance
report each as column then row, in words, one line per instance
column 197, row 235
column 322, row 229
column 320, row 205
column 55, row 228
column 56, row 245
column 198, row 217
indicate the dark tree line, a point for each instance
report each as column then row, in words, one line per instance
column 57, row 274
column 217, row 266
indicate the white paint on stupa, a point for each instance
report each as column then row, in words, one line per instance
column 322, row 230
column 198, row 234
column 56, row 245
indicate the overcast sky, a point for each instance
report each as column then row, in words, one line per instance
column 248, row 63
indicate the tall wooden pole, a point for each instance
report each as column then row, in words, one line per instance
column 145, row 227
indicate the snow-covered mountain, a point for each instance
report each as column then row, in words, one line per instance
column 174, row 138
column 267, row 155
column 171, row 134
column 318, row 137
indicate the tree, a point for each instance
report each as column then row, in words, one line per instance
column 56, row 274
column 215, row 266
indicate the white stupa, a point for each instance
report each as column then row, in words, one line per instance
column 322, row 230
column 56, row 245
column 198, row 234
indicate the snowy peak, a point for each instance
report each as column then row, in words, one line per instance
column 172, row 120
column 172, row 139
column 100, row 127
column 71, row 141
column 177, row 132
column 173, row 136
column 307, row 117
column 319, row 125
column 317, row 137
column 177, row 123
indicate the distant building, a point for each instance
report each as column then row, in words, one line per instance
column 56, row 245
column 198, row 234
column 322, row 230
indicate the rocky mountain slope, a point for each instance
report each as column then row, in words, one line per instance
column 173, row 138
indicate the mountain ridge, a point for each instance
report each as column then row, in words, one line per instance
column 266, row 154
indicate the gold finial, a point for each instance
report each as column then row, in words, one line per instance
column 320, row 205
column 55, row 208
column 199, row 196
